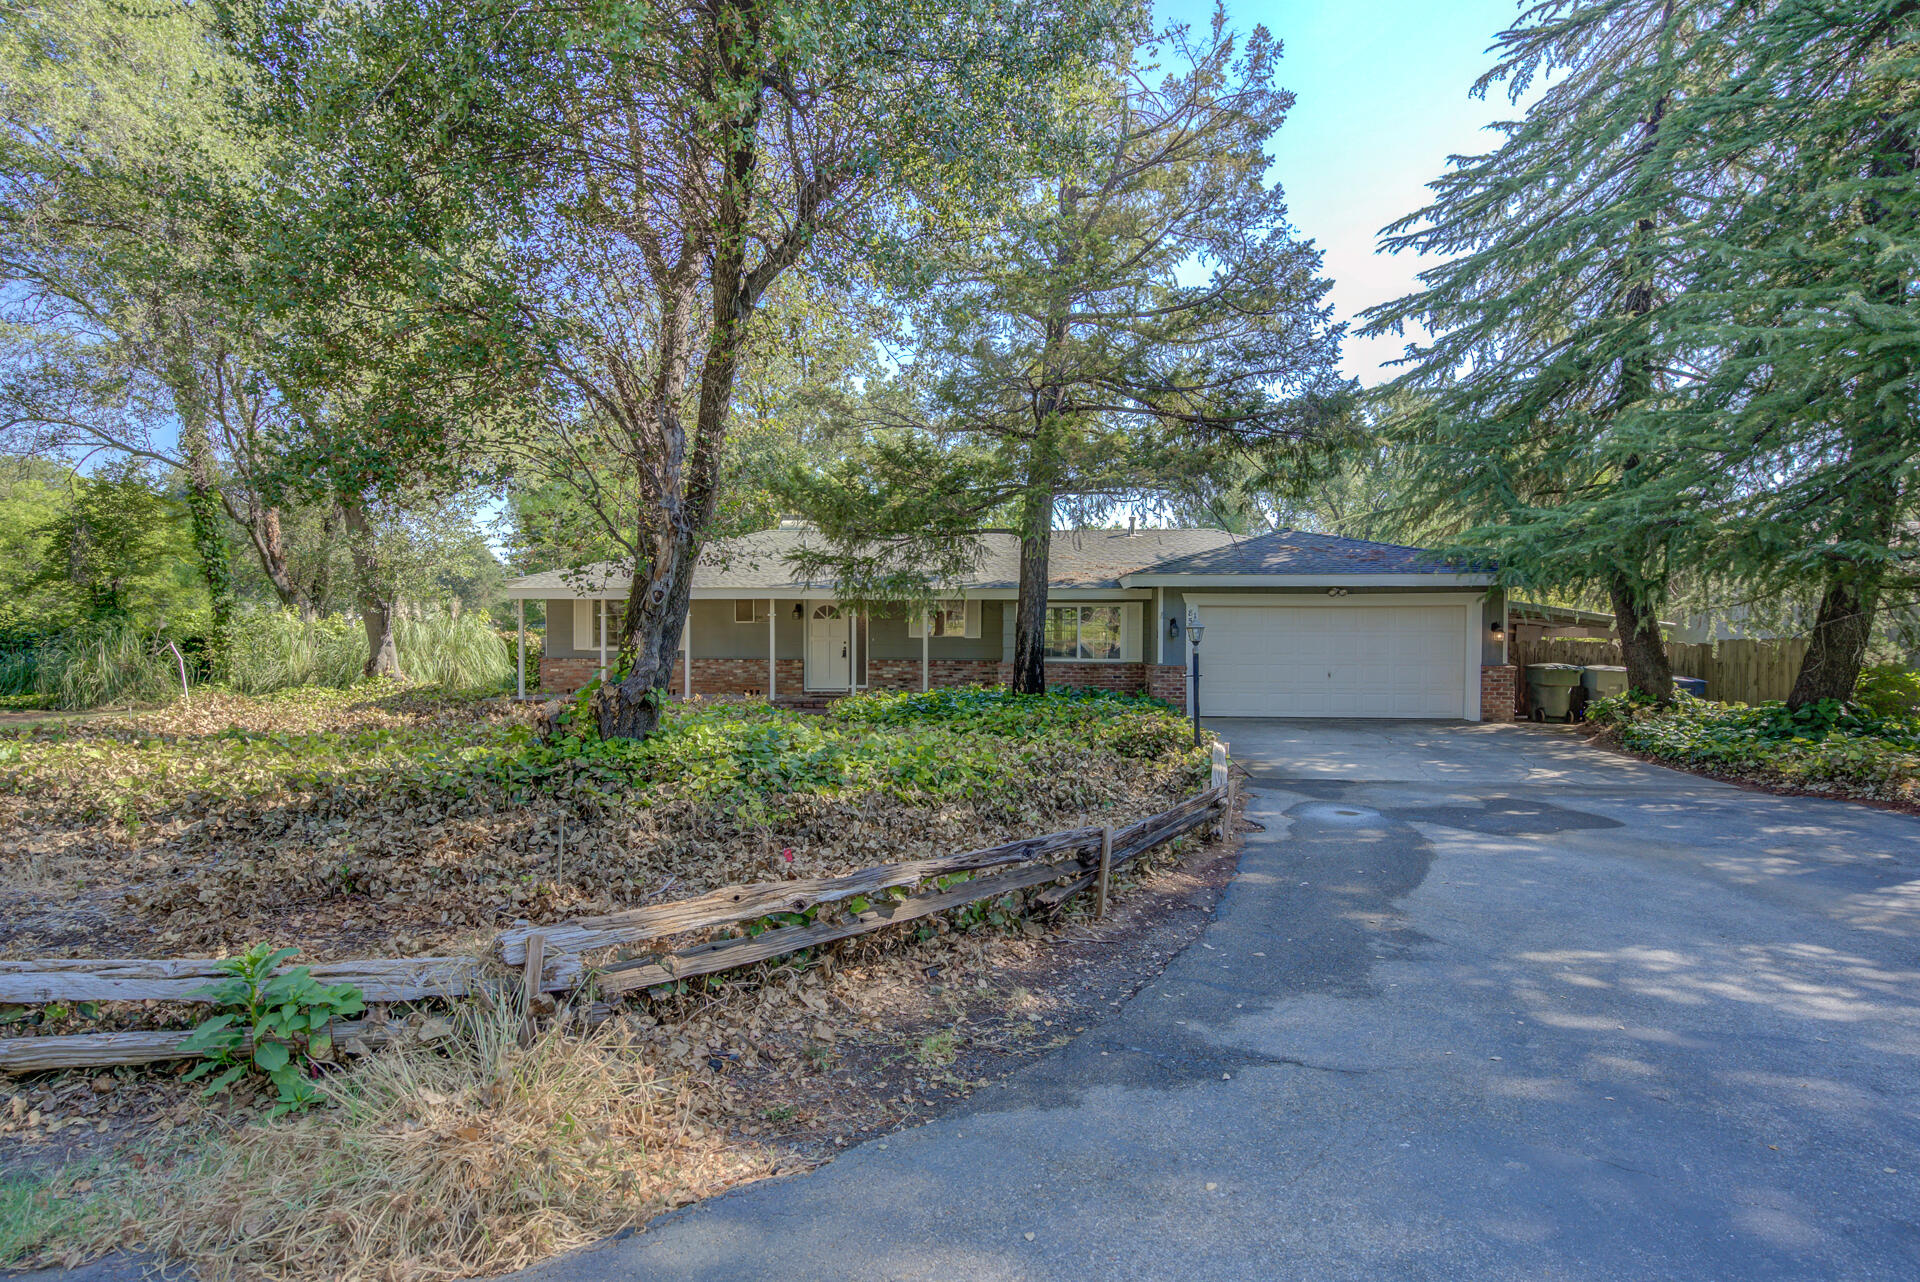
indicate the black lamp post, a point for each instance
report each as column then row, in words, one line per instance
column 1193, row 638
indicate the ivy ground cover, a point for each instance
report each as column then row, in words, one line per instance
column 378, row 822
column 1826, row 748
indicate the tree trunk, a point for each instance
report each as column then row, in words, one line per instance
column 688, row 478
column 262, row 523
column 375, row 599
column 1030, row 615
column 204, row 513
column 1841, row 631
column 654, row 619
column 1851, row 597
column 1648, row 669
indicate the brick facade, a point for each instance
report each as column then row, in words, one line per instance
column 1168, row 681
column 1124, row 678
column 564, row 676
column 749, row 676
column 1498, row 692
column 904, row 674
column 710, row 676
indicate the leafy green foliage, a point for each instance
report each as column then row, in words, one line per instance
column 1820, row 745
column 1125, row 325
column 107, row 664
column 743, row 756
column 271, row 1020
column 279, row 649
column 1889, row 690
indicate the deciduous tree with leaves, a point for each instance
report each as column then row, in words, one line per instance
column 1125, row 324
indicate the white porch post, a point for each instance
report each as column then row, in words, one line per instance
column 924, row 632
column 772, row 671
column 603, row 638
column 520, row 649
column 686, row 655
column 853, row 652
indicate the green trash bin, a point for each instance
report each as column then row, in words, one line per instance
column 1550, row 688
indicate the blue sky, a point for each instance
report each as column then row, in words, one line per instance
column 1382, row 101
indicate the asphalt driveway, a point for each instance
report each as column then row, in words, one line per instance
column 1482, row 1003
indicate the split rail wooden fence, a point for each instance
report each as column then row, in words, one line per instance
column 550, row 958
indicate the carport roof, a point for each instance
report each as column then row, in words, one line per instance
column 756, row 564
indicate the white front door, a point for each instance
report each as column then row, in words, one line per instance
column 829, row 649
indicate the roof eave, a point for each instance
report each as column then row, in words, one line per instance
column 1426, row 580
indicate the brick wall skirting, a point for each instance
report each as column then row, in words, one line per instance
column 749, row 676
column 1499, row 692
column 710, row 676
column 1125, row 678
column 564, row 676
column 1168, row 681
column 942, row 674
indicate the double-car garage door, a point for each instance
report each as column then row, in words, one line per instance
column 1339, row 660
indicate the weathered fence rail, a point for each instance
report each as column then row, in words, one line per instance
column 1076, row 859
column 135, row 979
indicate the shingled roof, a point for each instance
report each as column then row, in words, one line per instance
column 1286, row 552
column 757, row 565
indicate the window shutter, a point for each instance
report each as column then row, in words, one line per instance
column 917, row 624
column 972, row 628
column 583, row 625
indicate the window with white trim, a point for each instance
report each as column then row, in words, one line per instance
column 586, row 624
column 750, row 609
column 947, row 619
column 1086, row 632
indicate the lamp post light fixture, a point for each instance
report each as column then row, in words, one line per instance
column 1193, row 638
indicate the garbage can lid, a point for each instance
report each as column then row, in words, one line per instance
column 1555, row 667
column 1604, row 667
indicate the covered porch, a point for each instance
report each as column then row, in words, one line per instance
column 801, row 648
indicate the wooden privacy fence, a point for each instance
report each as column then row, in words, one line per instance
column 1735, row 671
column 549, row 958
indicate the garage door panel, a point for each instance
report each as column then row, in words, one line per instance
column 1334, row 661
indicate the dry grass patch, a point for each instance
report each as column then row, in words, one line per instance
column 472, row 1157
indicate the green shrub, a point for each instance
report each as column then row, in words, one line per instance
column 20, row 670
column 1889, row 690
column 277, row 1022
column 278, row 650
column 1823, row 745
column 105, row 664
column 462, row 653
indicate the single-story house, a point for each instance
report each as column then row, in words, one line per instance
column 1292, row 625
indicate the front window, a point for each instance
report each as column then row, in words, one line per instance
column 949, row 619
column 1083, row 632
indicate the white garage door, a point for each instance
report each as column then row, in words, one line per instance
column 1333, row 661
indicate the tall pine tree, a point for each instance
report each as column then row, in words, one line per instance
column 1122, row 325
column 1805, row 293
column 1550, row 346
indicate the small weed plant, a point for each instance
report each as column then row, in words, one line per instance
column 276, row 1021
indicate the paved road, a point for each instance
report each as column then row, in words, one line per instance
column 1482, row 1004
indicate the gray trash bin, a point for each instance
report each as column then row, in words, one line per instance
column 1550, row 688
column 1597, row 681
